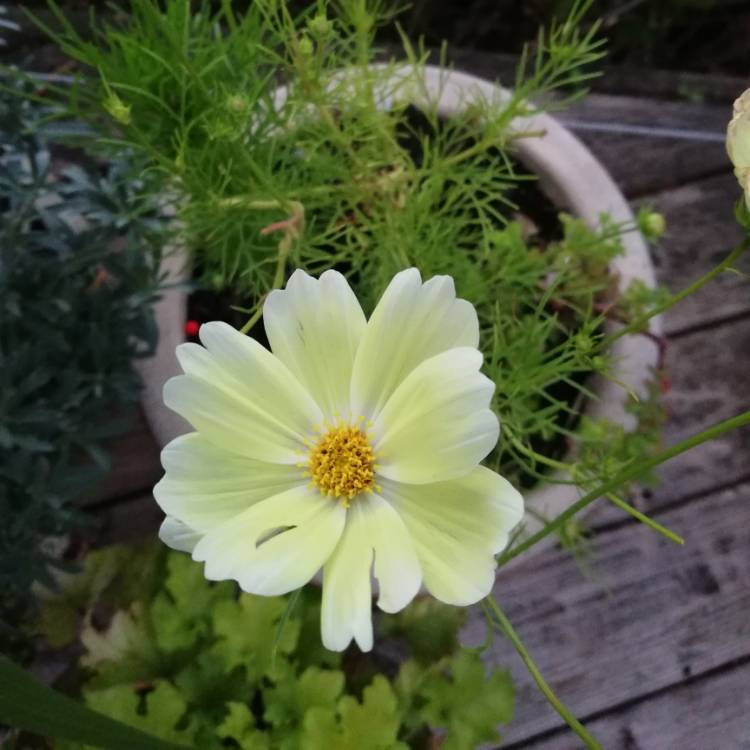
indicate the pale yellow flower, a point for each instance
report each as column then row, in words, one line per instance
column 738, row 142
column 354, row 448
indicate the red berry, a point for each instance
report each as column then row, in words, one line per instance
column 192, row 327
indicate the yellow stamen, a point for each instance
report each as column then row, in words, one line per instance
column 342, row 463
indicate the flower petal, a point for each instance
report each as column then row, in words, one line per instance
column 437, row 424
column 314, row 327
column 241, row 398
column 372, row 527
column 346, row 611
column 178, row 535
column 275, row 546
column 457, row 528
column 411, row 323
column 205, row 485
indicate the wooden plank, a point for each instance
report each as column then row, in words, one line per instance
column 655, row 613
column 128, row 522
column 698, row 88
column 712, row 713
column 640, row 162
column 701, row 231
column 135, row 464
column 708, row 372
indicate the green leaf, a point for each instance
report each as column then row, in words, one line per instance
column 374, row 723
column 58, row 622
column 239, row 725
column 207, row 682
column 411, row 676
column 158, row 712
column 468, row 704
column 114, row 575
column 173, row 628
column 192, row 594
column 287, row 702
column 247, row 629
column 310, row 651
column 61, row 611
column 27, row 704
column 429, row 626
column 125, row 652
column 321, row 730
column 371, row 725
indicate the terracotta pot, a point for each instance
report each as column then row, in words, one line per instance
column 571, row 177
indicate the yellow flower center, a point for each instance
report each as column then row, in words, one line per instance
column 342, row 463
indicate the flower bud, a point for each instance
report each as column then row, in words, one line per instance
column 237, row 103
column 320, row 26
column 306, row 47
column 738, row 142
column 117, row 108
column 652, row 224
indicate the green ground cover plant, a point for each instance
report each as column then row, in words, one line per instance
column 187, row 660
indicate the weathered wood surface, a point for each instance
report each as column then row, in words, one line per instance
column 710, row 713
column 653, row 145
column 135, row 464
column 646, row 83
column 708, row 373
column 128, row 521
column 640, row 162
column 701, row 231
column 654, row 615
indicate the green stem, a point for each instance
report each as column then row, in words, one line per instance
column 226, row 8
column 507, row 629
column 253, row 319
column 625, row 476
column 640, row 323
column 532, row 454
column 284, row 248
column 643, row 518
column 619, row 502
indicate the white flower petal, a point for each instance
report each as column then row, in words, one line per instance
column 396, row 565
column 346, row 611
column 437, row 424
column 314, row 327
column 178, row 535
column 205, row 485
column 457, row 528
column 275, row 546
column 373, row 529
column 411, row 323
column 241, row 398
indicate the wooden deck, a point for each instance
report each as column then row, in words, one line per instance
column 653, row 653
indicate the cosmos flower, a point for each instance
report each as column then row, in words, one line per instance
column 738, row 142
column 353, row 448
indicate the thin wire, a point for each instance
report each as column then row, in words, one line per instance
column 652, row 131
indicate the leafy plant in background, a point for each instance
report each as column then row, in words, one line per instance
column 188, row 661
column 79, row 267
column 363, row 187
